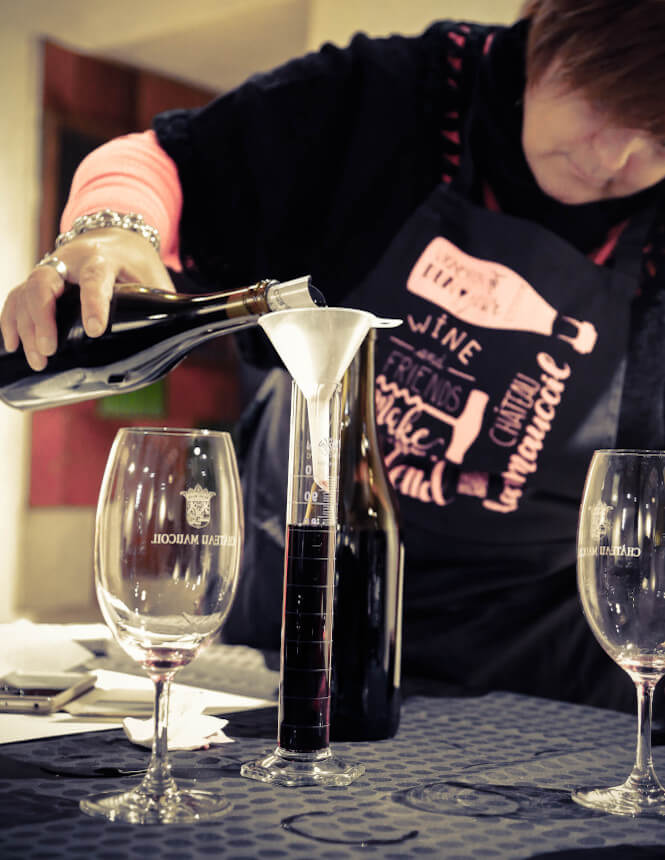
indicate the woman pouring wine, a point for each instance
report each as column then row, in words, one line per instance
column 501, row 190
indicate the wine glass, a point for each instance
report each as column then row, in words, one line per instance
column 168, row 539
column 621, row 581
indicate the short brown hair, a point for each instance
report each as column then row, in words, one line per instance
column 611, row 50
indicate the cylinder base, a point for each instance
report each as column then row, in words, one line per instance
column 282, row 767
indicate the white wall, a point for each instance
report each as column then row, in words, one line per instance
column 19, row 171
column 337, row 20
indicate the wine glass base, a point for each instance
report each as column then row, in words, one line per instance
column 622, row 800
column 137, row 807
column 282, row 767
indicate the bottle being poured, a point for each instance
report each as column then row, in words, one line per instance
column 149, row 332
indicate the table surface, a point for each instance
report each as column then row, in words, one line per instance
column 525, row 754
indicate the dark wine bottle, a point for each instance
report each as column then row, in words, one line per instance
column 149, row 332
column 367, row 616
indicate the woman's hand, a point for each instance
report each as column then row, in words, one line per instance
column 96, row 260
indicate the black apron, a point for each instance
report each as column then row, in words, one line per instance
column 491, row 397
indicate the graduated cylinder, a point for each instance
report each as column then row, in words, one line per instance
column 304, row 702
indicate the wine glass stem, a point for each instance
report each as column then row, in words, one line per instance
column 643, row 774
column 158, row 780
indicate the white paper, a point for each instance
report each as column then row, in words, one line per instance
column 25, row 727
column 40, row 648
column 118, row 694
column 114, row 687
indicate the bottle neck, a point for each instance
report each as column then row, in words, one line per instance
column 367, row 499
column 366, row 387
column 245, row 302
column 359, row 421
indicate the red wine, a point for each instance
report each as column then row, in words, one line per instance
column 149, row 332
column 304, row 702
column 166, row 661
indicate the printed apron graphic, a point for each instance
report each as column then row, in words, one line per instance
column 508, row 371
column 488, row 294
column 432, row 406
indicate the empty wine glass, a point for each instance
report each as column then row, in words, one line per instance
column 621, row 580
column 168, row 539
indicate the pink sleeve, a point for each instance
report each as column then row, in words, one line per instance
column 130, row 174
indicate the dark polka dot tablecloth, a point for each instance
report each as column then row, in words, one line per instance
column 486, row 777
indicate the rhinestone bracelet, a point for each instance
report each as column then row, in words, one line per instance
column 108, row 218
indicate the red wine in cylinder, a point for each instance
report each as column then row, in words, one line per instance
column 304, row 703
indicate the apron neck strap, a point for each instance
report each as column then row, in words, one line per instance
column 626, row 241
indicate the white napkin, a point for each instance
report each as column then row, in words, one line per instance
column 188, row 729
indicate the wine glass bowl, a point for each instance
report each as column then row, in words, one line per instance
column 168, row 539
column 621, row 582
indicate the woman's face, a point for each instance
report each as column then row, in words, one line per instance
column 577, row 155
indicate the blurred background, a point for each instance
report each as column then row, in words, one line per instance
column 73, row 74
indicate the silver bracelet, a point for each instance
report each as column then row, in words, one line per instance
column 108, row 218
